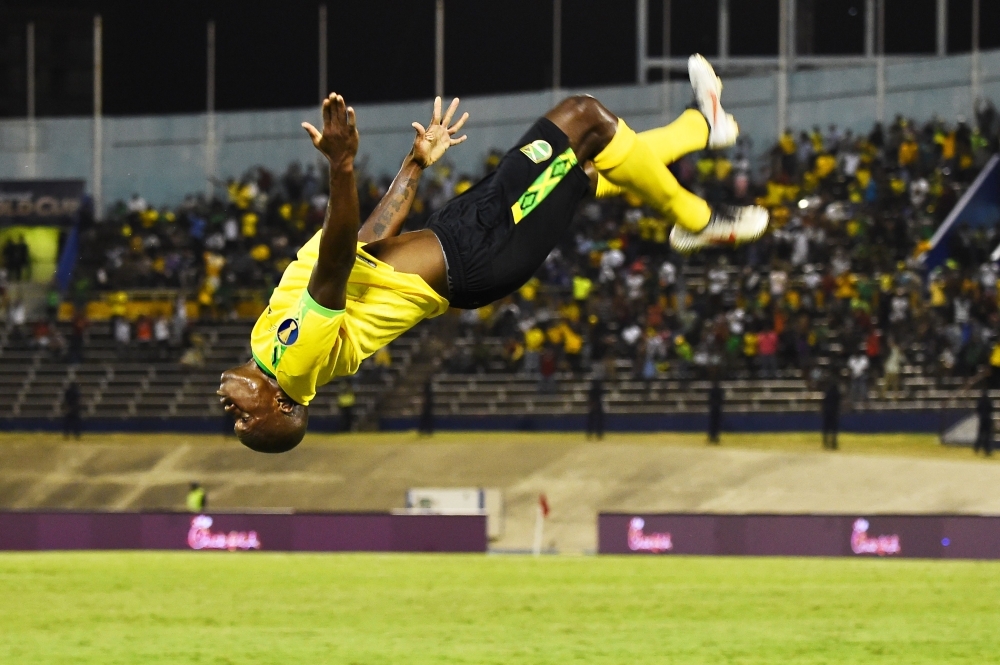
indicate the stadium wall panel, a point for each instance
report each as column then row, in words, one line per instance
column 164, row 157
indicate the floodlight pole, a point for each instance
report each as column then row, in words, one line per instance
column 976, row 83
column 723, row 31
column 556, row 45
column 97, row 175
column 665, row 96
column 942, row 27
column 439, row 49
column 211, row 157
column 880, row 62
column 870, row 28
column 31, row 169
column 782, row 76
column 641, row 37
column 324, row 89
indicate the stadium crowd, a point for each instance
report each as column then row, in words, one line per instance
column 837, row 276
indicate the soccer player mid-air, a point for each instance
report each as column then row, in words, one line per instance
column 353, row 289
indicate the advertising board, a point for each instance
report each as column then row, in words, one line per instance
column 922, row 536
column 297, row 532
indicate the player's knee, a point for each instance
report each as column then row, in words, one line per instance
column 584, row 119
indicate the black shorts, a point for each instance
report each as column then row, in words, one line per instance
column 499, row 232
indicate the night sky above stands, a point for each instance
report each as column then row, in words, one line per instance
column 383, row 50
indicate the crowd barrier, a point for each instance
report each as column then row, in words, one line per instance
column 920, row 536
column 295, row 532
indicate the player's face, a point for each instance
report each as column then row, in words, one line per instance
column 245, row 394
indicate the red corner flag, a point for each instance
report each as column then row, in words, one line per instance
column 543, row 503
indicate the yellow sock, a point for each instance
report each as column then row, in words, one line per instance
column 687, row 134
column 632, row 164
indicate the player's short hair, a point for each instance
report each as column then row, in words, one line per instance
column 277, row 433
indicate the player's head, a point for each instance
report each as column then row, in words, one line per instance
column 267, row 420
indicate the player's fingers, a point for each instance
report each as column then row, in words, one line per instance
column 436, row 116
column 419, row 128
column 458, row 125
column 460, row 139
column 339, row 109
column 327, row 109
column 351, row 119
column 312, row 132
column 450, row 112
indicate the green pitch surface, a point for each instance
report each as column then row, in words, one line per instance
column 289, row 609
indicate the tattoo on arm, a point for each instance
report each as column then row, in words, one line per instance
column 388, row 217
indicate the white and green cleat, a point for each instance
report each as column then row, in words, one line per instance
column 728, row 227
column 723, row 129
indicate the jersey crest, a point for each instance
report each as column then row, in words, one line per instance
column 537, row 151
column 288, row 332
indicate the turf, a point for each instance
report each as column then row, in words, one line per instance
column 271, row 608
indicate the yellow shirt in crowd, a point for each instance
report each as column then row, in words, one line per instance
column 305, row 345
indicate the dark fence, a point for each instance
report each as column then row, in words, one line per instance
column 298, row 532
column 922, row 536
column 928, row 421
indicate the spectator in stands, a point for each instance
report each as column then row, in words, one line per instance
column 345, row 402
column 121, row 330
column 161, row 336
column 547, row 371
column 77, row 338
column 52, row 301
column 595, row 409
column 16, row 256
column 425, row 427
column 857, row 364
column 144, row 337
column 893, row 366
column 831, row 414
column 767, row 349
column 197, row 498
column 72, row 420
column 716, row 399
column 984, row 433
column 17, row 319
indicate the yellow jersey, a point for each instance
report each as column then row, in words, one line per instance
column 304, row 345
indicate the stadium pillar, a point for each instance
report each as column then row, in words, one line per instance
column 976, row 83
column 31, row 170
column 323, row 89
column 211, row 158
column 439, row 49
column 641, row 36
column 723, row 31
column 97, row 174
column 556, row 45
column 942, row 27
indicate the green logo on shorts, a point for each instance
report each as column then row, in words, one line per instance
column 537, row 151
column 544, row 184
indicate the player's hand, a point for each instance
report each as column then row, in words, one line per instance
column 431, row 143
column 339, row 139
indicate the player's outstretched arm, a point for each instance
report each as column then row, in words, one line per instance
column 428, row 147
column 338, row 243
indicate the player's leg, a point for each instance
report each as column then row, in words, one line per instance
column 597, row 135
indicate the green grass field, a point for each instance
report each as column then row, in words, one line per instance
column 269, row 608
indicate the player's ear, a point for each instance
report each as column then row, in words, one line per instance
column 285, row 403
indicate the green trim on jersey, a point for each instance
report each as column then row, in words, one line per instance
column 543, row 185
column 309, row 304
